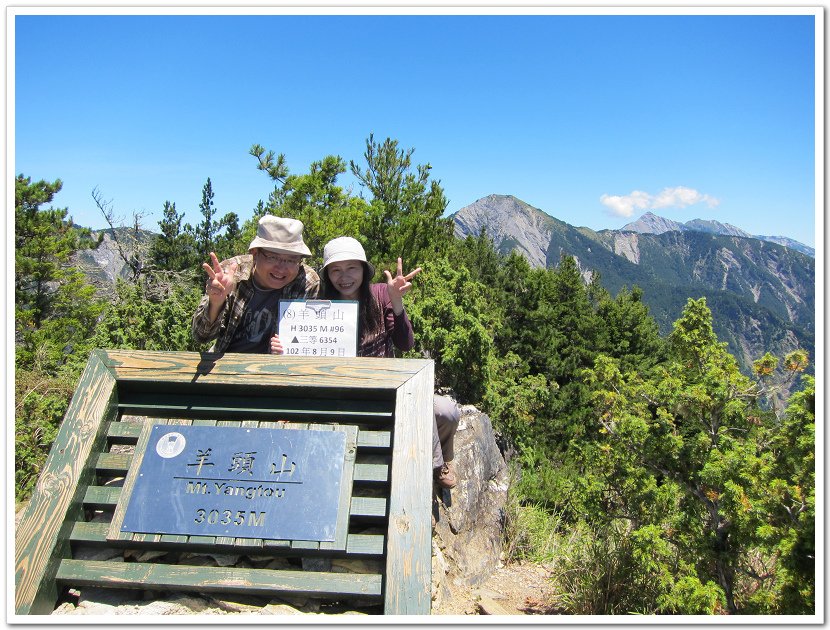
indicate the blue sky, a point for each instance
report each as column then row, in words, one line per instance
column 594, row 119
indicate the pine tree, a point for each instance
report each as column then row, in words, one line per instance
column 685, row 450
column 173, row 248
column 55, row 315
column 54, row 306
column 406, row 206
column 206, row 231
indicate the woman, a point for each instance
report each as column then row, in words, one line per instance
column 383, row 325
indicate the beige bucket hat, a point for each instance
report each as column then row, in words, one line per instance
column 278, row 234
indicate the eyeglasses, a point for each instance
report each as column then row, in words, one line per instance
column 273, row 259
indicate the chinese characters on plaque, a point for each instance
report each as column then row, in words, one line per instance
column 318, row 328
column 281, row 484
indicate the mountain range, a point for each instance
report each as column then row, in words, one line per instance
column 650, row 223
column 761, row 290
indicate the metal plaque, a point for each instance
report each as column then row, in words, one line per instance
column 279, row 484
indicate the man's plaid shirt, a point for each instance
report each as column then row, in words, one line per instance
column 305, row 285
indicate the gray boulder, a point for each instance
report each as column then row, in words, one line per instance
column 467, row 535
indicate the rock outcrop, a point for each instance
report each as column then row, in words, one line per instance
column 467, row 537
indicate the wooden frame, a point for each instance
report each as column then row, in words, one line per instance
column 204, row 386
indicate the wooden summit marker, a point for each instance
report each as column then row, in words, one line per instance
column 366, row 481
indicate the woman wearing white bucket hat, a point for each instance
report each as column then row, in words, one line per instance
column 239, row 308
column 382, row 326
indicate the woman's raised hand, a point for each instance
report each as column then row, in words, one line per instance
column 399, row 285
column 220, row 283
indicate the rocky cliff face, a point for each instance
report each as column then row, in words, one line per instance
column 511, row 223
column 467, row 535
column 103, row 262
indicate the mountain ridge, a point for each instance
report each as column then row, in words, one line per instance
column 650, row 223
column 761, row 293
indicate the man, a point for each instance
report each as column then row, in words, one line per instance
column 239, row 308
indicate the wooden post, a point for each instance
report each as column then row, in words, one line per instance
column 409, row 539
column 42, row 537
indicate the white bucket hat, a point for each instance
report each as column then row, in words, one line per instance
column 277, row 234
column 345, row 248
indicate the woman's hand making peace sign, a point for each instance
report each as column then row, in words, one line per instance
column 399, row 285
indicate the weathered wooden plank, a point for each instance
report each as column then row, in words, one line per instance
column 371, row 473
column 263, row 370
column 42, row 536
column 261, row 407
column 123, row 433
column 366, row 545
column 95, row 534
column 266, row 582
column 368, row 507
column 374, row 439
column 113, row 464
column 276, row 544
column 305, row 545
column 409, row 549
column 101, row 497
column 204, row 422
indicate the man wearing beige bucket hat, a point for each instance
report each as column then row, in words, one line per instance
column 242, row 294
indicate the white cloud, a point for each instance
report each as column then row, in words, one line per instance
column 677, row 197
column 625, row 206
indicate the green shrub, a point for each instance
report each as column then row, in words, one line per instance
column 41, row 400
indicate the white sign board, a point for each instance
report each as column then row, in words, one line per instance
column 318, row 328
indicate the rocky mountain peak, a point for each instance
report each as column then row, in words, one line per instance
column 511, row 223
column 716, row 227
column 650, row 223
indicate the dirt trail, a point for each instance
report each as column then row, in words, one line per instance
column 516, row 589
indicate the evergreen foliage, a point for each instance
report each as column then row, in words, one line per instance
column 683, row 452
column 448, row 310
column 405, row 213
column 325, row 209
column 55, row 314
column 154, row 314
column 174, row 248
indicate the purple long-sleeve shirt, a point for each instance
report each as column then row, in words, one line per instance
column 396, row 332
